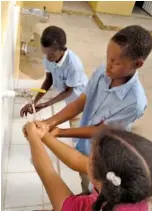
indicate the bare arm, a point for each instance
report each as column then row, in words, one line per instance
column 81, row 132
column 68, row 112
column 46, row 86
column 63, row 95
column 68, row 155
column 56, row 189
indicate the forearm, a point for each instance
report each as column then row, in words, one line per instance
column 40, row 162
column 46, row 86
column 49, row 177
column 68, row 112
column 68, row 155
column 62, row 96
column 81, row 132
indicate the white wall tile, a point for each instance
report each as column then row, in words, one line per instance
column 23, row 190
column 19, row 159
column 72, row 179
column 6, row 148
column 17, row 134
column 27, row 84
column 59, row 106
column 46, row 199
column 16, row 115
column 48, row 207
column 45, row 113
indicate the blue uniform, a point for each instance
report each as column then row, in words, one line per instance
column 67, row 72
column 120, row 105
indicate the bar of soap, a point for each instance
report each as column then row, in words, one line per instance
column 38, row 90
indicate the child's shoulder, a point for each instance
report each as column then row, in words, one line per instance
column 139, row 94
column 74, row 60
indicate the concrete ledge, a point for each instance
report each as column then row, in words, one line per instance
column 116, row 22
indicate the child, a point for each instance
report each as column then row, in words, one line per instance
column 64, row 70
column 114, row 94
column 119, row 167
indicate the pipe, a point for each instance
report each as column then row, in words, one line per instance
column 9, row 94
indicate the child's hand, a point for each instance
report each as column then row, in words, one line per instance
column 32, row 129
column 41, row 129
column 42, row 124
column 55, row 132
column 28, row 129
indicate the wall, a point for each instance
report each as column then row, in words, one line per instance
column 9, row 21
column 52, row 6
column 113, row 7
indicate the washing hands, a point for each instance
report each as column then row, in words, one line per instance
column 40, row 129
column 28, row 108
column 32, row 107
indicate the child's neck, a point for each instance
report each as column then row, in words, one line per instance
column 119, row 81
column 60, row 57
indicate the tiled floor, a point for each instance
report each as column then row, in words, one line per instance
column 24, row 190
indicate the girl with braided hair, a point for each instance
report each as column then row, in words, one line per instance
column 119, row 167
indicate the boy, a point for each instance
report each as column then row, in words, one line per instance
column 114, row 94
column 64, row 70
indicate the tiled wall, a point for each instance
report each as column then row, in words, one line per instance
column 7, row 83
column 24, row 190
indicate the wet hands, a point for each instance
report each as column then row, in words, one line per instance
column 31, row 130
column 40, row 129
column 28, row 108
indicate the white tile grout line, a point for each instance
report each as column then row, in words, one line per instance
column 20, row 172
column 36, row 205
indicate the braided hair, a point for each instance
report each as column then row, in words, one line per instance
column 116, row 151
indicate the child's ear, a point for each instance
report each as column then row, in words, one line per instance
column 139, row 63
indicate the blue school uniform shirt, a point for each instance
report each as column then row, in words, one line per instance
column 67, row 72
column 119, row 106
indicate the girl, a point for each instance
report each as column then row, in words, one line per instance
column 119, row 167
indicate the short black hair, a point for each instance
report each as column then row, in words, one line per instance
column 55, row 37
column 136, row 40
column 127, row 155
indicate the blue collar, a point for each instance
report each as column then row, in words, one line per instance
column 122, row 90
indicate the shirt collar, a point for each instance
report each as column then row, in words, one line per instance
column 60, row 63
column 122, row 90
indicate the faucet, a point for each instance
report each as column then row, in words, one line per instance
column 24, row 93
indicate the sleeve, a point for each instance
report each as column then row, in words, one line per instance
column 73, row 78
column 93, row 79
column 75, row 203
column 125, row 117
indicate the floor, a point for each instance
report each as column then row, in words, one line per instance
column 24, row 190
column 81, row 7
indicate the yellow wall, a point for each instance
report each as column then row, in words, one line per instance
column 113, row 7
column 5, row 6
column 93, row 4
column 18, row 46
column 5, row 9
column 51, row 6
